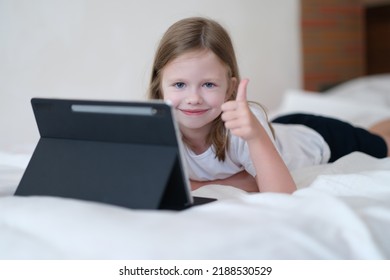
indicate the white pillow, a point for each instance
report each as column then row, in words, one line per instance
column 374, row 89
column 352, row 110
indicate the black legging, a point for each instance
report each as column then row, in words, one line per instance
column 342, row 137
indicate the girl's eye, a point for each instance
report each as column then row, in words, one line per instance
column 179, row 85
column 209, row 85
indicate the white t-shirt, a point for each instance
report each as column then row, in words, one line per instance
column 298, row 145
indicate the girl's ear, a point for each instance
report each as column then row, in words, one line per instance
column 232, row 90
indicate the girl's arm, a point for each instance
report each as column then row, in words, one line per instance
column 242, row 180
column 272, row 173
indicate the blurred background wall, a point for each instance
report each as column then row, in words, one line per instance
column 99, row 49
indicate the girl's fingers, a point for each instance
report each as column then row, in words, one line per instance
column 241, row 92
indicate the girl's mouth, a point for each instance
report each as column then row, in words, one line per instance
column 193, row 112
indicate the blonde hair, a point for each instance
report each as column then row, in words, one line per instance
column 193, row 34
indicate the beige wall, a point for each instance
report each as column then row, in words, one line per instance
column 101, row 49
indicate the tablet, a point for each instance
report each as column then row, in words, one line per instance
column 122, row 153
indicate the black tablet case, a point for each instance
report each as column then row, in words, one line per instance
column 127, row 155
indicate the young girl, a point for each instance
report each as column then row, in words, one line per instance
column 228, row 140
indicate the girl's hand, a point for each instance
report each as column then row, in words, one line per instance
column 238, row 117
column 241, row 180
column 272, row 173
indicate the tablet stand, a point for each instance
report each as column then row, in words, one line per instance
column 121, row 153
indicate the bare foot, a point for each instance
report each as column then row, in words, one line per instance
column 382, row 129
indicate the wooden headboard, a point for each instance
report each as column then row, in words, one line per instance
column 342, row 40
column 377, row 19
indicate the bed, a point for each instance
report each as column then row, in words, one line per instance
column 340, row 210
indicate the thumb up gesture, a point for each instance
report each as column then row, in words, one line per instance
column 238, row 117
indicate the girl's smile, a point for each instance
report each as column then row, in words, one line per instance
column 193, row 112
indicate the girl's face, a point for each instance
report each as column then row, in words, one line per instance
column 197, row 84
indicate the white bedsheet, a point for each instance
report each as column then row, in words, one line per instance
column 341, row 211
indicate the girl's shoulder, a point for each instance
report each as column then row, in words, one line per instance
column 260, row 113
column 258, row 110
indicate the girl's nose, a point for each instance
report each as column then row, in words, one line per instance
column 194, row 97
